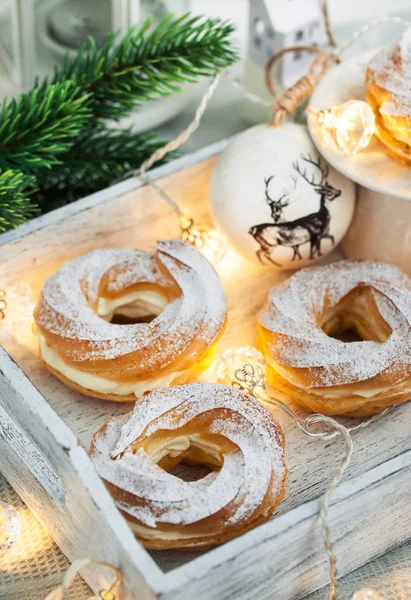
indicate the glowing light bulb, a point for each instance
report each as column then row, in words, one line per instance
column 16, row 310
column 10, row 527
column 242, row 367
column 350, row 125
column 366, row 594
column 211, row 242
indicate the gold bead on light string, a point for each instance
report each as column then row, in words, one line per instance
column 10, row 527
column 211, row 242
column 3, row 304
column 350, row 125
column 72, row 572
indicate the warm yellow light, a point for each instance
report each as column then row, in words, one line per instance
column 366, row 594
column 32, row 541
column 16, row 311
column 10, row 527
column 350, row 125
column 242, row 367
column 210, row 241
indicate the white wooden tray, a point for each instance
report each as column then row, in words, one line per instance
column 45, row 428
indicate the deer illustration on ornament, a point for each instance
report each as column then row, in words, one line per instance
column 279, row 203
column 309, row 229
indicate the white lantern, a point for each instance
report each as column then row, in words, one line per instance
column 36, row 34
column 277, row 200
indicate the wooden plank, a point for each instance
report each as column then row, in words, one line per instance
column 84, row 521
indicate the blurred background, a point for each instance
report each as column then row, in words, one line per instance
column 37, row 34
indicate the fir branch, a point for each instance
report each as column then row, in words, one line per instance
column 36, row 127
column 93, row 163
column 57, row 132
column 148, row 63
column 15, row 206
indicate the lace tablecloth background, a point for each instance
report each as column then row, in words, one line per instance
column 35, row 565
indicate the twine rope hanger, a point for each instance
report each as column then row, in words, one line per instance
column 288, row 101
column 297, row 93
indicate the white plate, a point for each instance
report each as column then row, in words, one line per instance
column 373, row 167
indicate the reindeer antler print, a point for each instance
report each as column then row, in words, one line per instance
column 277, row 205
column 324, row 170
column 309, row 229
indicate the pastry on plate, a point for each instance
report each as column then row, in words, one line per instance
column 388, row 81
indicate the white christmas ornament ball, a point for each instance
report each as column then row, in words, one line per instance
column 277, row 200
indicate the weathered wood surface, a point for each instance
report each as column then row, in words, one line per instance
column 56, row 480
column 285, row 559
column 137, row 218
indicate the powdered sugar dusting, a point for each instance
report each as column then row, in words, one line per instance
column 294, row 310
column 390, row 69
column 66, row 307
column 239, row 487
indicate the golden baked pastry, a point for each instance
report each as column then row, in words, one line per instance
column 203, row 423
column 121, row 362
column 299, row 329
column 388, row 82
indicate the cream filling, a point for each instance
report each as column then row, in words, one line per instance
column 325, row 393
column 148, row 533
column 134, row 305
column 173, row 448
column 100, row 384
column 344, row 393
column 387, row 111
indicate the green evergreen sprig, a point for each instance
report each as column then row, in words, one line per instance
column 56, row 137
column 148, row 64
column 15, row 206
column 38, row 126
column 94, row 162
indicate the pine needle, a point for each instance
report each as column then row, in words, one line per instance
column 56, row 137
column 15, row 206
